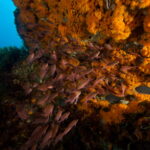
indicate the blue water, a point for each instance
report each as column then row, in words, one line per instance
column 8, row 32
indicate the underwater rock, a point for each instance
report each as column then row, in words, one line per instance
column 80, row 53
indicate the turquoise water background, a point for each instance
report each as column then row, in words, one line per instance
column 8, row 32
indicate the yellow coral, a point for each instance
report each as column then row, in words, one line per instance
column 136, row 3
column 145, row 66
column 119, row 29
column 134, row 107
column 114, row 115
column 142, row 97
column 102, row 103
column 123, row 57
column 147, row 22
column 74, row 62
column 145, row 51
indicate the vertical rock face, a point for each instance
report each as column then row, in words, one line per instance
column 86, row 60
column 95, row 20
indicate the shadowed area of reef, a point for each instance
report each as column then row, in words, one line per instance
column 9, row 94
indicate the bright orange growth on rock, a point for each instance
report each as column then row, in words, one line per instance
column 86, row 19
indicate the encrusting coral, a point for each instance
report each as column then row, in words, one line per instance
column 81, row 53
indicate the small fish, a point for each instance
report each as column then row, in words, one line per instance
column 96, row 55
column 52, row 97
column 52, row 70
column 90, row 96
column 50, row 136
column 30, row 58
column 27, row 89
column 64, row 117
column 42, row 74
column 46, row 138
column 34, row 147
column 44, row 67
column 39, row 54
column 35, row 85
column 59, row 77
column 48, row 110
column 87, row 72
column 73, row 76
column 54, row 56
column 58, row 138
column 70, row 126
column 83, row 84
column 37, row 130
column 36, row 135
column 112, row 63
column 63, row 62
column 123, row 89
column 55, row 130
column 41, row 120
column 74, row 97
column 91, row 46
column 125, row 69
column 58, row 115
column 97, row 81
column 43, row 100
column 108, row 46
column 21, row 112
column 44, row 87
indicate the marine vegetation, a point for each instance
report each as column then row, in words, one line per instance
column 86, row 81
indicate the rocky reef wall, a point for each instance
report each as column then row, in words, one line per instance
column 87, row 65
